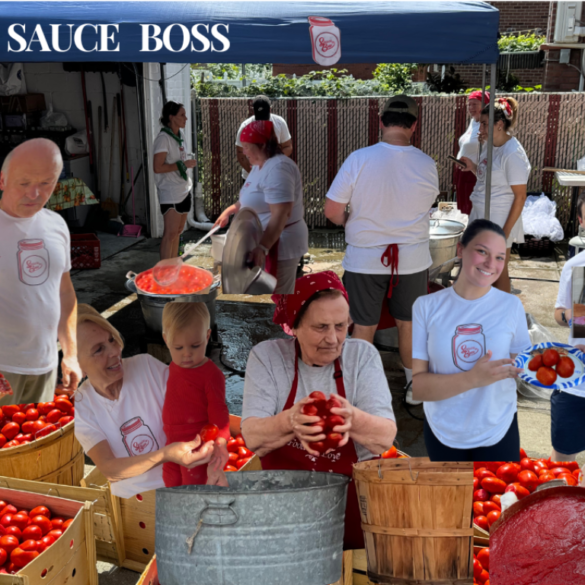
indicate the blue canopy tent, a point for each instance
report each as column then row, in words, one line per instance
column 249, row 31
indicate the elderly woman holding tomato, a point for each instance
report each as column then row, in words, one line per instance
column 118, row 418
column 287, row 418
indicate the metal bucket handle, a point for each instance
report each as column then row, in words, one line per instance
column 131, row 275
column 211, row 506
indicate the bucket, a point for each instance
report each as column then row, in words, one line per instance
column 276, row 527
column 416, row 517
column 217, row 244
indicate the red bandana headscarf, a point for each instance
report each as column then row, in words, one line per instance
column 476, row 95
column 288, row 306
column 257, row 132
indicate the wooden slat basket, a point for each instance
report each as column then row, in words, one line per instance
column 71, row 560
column 416, row 516
column 56, row 458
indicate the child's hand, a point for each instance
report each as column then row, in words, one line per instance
column 188, row 455
column 217, row 478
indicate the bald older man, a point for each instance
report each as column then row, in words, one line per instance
column 38, row 305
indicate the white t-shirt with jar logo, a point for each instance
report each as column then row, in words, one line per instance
column 451, row 334
column 132, row 425
column 35, row 252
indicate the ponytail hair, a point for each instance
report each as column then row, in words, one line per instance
column 169, row 109
column 478, row 226
column 506, row 110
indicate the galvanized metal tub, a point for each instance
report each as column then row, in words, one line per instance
column 272, row 527
column 444, row 236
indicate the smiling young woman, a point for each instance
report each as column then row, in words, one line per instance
column 464, row 341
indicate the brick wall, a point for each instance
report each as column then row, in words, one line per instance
column 561, row 77
column 522, row 16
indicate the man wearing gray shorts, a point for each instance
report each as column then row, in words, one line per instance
column 390, row 188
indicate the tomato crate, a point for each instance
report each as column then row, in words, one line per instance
column 85, row 251
column 71, row 559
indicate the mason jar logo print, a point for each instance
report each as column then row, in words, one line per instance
column 33, row 262
column 325, row 40
column 137, row 437
column 468, row 345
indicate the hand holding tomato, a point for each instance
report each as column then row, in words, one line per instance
column 305, row 428
column 189, row 454
column 487, row 371
column 346, row 411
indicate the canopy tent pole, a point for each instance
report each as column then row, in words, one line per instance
column 490, row 145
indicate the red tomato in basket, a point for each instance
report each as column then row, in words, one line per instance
column 570, row 465
column 493, row 485
column 244, row 452
column 496, row 498
column 10, row 430
column 475, row 484
column 21, row 520
column 507, row 472
column 535, row 363
column 63, row 404
column 232, row 446
column 482, row 522
column 57, row 522
column 11, row 444
column 565, row 367
column 2, row 440
column 46, row 542
column 392, row 453
column 67, row 523
column 46, row 430
column 241, row 462
column 10, row 410
column 37, row 426
column 477, row 569
column 528, row 480
column 230, row 468
column 19, row 418
column 569, row 478
column 493, row 466
column 25, row 553
column 6, row 520
column 19, row 437
column 42, row 522
column 40, row 511
column 490, row 506
column 55, row 533
column 493, row 516
column 8, row 543
column 32, row 531
column 483, row 473
column 9, row 509
column 539, row 466
column 45, row 407
column 3, row 556
column 54, row 416
column 484, row 578
column 28, row 427
column 558, row 470
column 240, row 440
column 481, row 495
column 522, row 453
column 209, row 432
column 478, row 508
column 550, row 357
column 483, row 556
column 527, row 464
column 546, row 376
column 519, row 490
column 14, row 531
column 32, row 414
column 546, row 476
column 232, row 458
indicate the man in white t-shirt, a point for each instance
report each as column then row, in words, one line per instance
column 38, row 305
column 568, row 407
column 390, row 187
column 261, row 105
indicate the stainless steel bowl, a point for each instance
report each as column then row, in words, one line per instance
column 444, row 236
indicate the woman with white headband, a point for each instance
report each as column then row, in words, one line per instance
column 510, row 171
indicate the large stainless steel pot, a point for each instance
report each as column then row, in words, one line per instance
column 444, row 236
column 152, row 305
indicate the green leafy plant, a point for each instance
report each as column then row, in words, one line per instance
column 397, row 77
column 518, row 43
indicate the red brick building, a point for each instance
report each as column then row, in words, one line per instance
column 515, row 17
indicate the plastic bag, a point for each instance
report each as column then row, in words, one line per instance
column 50, row 118
column 454, row 215
column 12, row 79
column 77, row 143
column 539, row 218
column 538, row 334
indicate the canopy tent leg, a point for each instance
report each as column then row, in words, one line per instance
column 490, row 145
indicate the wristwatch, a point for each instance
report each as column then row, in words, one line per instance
column 264, row 249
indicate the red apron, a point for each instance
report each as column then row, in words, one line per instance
column 464, row 184
column 271, row 265
column 294, row 457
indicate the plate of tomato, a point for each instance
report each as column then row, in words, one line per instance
column 552, row 365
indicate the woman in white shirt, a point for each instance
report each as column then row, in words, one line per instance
column 172, row 177
column 118, row 411
column 469, row 147
column 274, row 191
column 510, row 172
column 464, row 341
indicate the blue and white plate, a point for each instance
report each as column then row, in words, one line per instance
column 578, row 357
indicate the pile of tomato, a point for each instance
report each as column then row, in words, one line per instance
column 25, row 534
column 239, row 454
column 190, row 281
column 23, row 423
column 494, row 478
column 481, row 567
column 550, row 364
column 321, row 407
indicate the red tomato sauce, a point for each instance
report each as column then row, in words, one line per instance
column 541, row 545
column 190, row 280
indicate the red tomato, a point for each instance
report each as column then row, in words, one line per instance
column 6, row 520
column 528, row 464
column 19, row 437
column 519, row 490
column 535, row 363
column 57, row 522
column 42, row 522
column 483, row 556
column 45, row 407
column 318, row 446
column 208, row 433
column 490, row 506
column 64, row 420
column 484, row 578
column 540, row 466
column 32, row 414
column 546, row 376
column 493, row 516
column 569, row 478
column 309, row 409
column 478, row 508
column 28, row 427
column 54, row 415
column 40, row 511
column 11, row 444
column 63, row 404
column 14, row 531
column 507, row 472
column 3, row 556
column 10, row 430
column 475, row 484
column 319, row 401
column 392, row 453
column 37, row 426
column 20, row 520
column 55, row 533
column 25, row 553
column 334, row 420
column 240, row 440
column 19, row 418
column 10, row 410
column 244, row 452
column 493, row 466
column 546, row 476
column 232, row 446
column 2, row 440
column 33, row 532
column 496, row 498
column 232, row 457
column 493, row 485
column 317, row 396
column 8, row 543
column 570, row 465
column 241, row 462
column 577, row 473
column 565, row 367
column 333, row 403
column 46, row 430
column 230, row 468
column 550, row 357
column 332, row 440
column 46, row 542
column 482, row 522
column 483, row 473
column 476, row 470
column 528, row 479
column 67, row 523
column 481, row 495
column 558, row 470
column 522, row 453
column 477, row 568
column 10, row 509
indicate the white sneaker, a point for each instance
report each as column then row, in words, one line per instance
column 409, row 399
